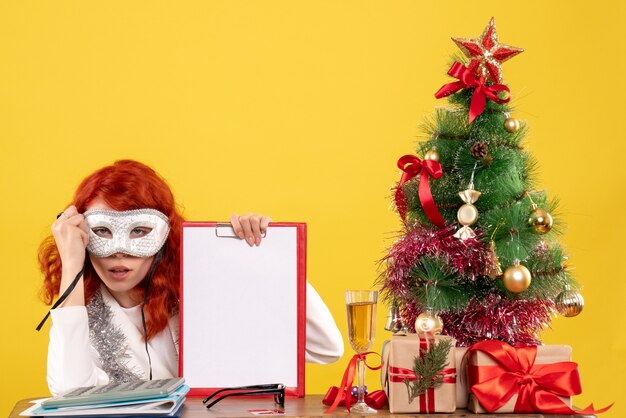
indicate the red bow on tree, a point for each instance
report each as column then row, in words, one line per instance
column 538, row 386
column 482, row 92
column 411, row 167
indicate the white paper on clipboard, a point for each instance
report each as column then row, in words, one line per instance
column 242, row 308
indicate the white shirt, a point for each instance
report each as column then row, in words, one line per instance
column 73, row 361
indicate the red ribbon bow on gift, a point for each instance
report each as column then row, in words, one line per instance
column 376, row 399
column 348, row 379
column 411, row 167
column 482, row 92
column 538, row 386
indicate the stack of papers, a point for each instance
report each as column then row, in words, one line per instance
column 163, row 398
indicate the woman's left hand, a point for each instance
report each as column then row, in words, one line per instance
column 250, row 227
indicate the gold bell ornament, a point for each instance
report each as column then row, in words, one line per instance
column 428, row 323
column 511, row 125
column 569, row 302
column 494, row 269
column 516, row 278
column 539, row 220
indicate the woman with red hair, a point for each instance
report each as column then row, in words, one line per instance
column 117, row 317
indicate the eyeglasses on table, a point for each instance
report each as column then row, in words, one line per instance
column 276, row 389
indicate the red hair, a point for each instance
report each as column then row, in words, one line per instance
column 126, row 185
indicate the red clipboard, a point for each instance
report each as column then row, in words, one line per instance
column 242, row 308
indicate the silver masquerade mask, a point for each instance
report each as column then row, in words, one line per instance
column 139, row 233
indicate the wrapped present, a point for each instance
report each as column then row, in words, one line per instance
column 505, row 379
column 430, row 389
column 462, row 393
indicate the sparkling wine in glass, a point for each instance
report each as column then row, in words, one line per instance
column 361, row 309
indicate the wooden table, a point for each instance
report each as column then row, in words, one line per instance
column 309, row 406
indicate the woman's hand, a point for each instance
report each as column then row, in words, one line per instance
column 250, row 227
column 70, row 235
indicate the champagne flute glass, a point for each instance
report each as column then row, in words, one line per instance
column 361, row 308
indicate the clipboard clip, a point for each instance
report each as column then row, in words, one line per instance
column 225, row 230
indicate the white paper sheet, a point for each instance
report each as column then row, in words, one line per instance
column 240, row 309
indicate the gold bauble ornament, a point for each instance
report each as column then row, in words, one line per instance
column 511, row 125
column 516, row 278
column 428, row 322
column 432, row 154
column 569, row 303
column 540, row 220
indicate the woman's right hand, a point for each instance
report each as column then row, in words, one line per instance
column 70, row 235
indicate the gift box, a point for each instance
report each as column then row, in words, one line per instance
column 462, row 393
column 505, row 379
column 399, row 379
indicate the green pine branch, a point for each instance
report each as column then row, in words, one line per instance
column 428, row 369
column 437, row 286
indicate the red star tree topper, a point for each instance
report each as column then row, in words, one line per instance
column 486, row 53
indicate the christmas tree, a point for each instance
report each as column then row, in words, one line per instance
column 478, row 257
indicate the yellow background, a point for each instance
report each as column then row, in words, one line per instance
column 300, row 109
